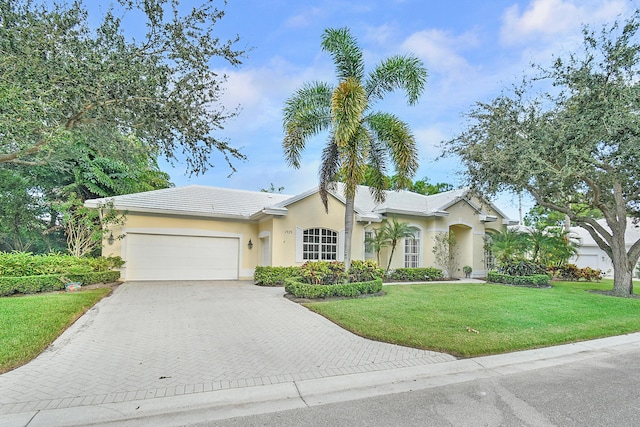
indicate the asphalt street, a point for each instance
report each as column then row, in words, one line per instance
column 601, row 391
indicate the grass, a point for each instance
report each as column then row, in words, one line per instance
column 28, row 324
column 470, row 320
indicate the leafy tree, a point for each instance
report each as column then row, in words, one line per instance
column 421, row 186
column 85, row 227
column 21, row 213
column 392, row 232
column 63, row 81
column 358, row 136
column 541, row 218
column 572, row 142
column 37, row 201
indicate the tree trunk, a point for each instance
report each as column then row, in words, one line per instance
column 622, row 267
column 393, row 249
column 348, row 231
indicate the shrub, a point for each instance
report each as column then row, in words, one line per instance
column 415, row 274
column 306, row 290
column 20, row 264
column 274, row 276
column 323, row 272
column 52, row 282
column 522, row 268
column 364, row 271
column 571, row 272
column 534, row 280
column 95, row 277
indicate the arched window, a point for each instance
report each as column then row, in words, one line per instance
column 319, row 244
column 412, row 251
column 489, row 258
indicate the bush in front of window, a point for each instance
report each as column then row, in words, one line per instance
column 274, row 276
column 364, row 271
column 323, row 272
column 428, row 274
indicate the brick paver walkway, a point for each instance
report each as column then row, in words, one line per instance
column 153, row 339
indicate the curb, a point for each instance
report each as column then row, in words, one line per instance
column 224, row 404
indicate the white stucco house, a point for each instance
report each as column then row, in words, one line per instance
column 589, row 253
column 208, row 233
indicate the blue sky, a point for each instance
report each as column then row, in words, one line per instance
column 472, row 50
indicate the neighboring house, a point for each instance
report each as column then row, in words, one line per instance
column 207, row 233
column 589, row 253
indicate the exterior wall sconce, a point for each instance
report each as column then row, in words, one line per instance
column 250, row 244
column 110, row 239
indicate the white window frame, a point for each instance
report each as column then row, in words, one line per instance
column 325, row 245
column 413, row 258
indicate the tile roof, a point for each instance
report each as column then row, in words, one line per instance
column 201, row 200
column 196, row 200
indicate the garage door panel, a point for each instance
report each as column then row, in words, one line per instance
column 169, row 257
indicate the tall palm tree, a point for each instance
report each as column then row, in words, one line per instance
column 358, row 136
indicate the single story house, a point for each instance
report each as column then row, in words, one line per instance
column 207, row 233
column 589, row 253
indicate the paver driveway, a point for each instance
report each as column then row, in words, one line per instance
column 155, row 339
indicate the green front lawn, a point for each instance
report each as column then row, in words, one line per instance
column 476, row 319
column 28, row 324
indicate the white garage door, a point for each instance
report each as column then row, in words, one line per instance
column 169, row 257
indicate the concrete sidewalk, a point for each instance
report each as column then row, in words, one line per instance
column 137, row 359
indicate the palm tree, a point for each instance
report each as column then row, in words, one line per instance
column 358, row 136
column 393, row 232
column 376, row 242
column 508, row 246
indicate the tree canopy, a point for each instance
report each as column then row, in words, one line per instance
column 570, row 137
column 360, row 139
column 64, row 82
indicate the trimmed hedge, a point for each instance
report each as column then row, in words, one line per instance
column 415, row 274
column 535, row 280
column 52, row 282
column 274, row 276
column 304, row 290
column 21, row 264
column 319, row 273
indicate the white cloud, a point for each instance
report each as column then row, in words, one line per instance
column 552, row 19
column 303, row 20
column 428, row 141
column 439, row 49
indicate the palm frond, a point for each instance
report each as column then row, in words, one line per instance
column 400, row 142
column 346, row 53
column 306, row 113
column 353, row 160
column 348, row 103
column 377, row 178
column 397, row 72
column 329, row 168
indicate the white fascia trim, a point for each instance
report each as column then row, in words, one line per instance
column 368, row 218
column 174, row 212
column 488, row 218
column 413, row 213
